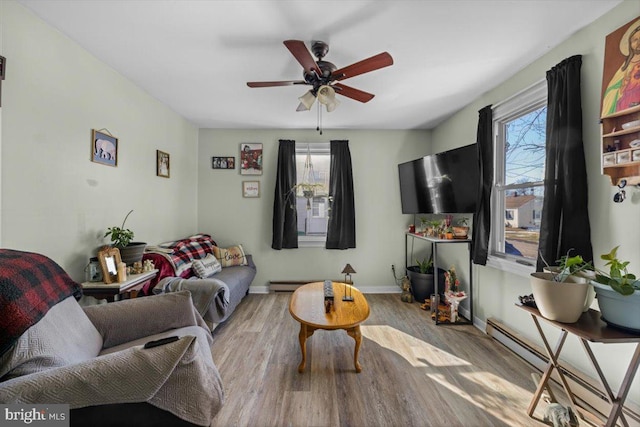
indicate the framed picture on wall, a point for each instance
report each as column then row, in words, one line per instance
column 250, row 188
column 104, row 147
column 223, row 162
column 162, row 164
column 251, row 159
column 619, row 92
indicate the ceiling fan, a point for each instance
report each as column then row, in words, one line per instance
column 324, row 77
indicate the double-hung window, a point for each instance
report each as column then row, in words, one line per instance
column 312, row 192
column 520, row 133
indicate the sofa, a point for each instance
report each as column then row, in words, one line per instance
column 94, row 358
column 217, row 278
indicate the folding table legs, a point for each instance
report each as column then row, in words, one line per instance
column 617, row 402
column 553, row 363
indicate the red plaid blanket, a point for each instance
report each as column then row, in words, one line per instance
column 30, row 284
column 181, row 253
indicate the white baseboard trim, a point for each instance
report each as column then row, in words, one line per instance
column 258, row 289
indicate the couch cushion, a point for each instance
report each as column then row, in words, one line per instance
column 30, row 284
column 64, row 336
column 233, row 255
column 207, row 266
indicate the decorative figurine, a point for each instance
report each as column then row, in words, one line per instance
column 406, row 296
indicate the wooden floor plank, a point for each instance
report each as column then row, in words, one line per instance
column 414, row 372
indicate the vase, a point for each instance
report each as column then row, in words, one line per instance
column 618, row 310
column 559, row 301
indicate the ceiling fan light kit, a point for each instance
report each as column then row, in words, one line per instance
column 323, row 75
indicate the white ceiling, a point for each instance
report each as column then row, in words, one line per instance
column 196, row 56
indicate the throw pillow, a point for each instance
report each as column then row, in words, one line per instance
column 207, row 266
column 233, row 255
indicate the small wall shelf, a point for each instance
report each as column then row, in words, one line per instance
column 621, row 147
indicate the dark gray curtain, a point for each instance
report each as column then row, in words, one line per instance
column 565, row 218
column 482, row 217
column 341, row 231
column 285, row 233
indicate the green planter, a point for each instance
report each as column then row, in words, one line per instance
column 618, row 310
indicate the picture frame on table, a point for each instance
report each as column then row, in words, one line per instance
column 104, row 148
column 227, row 162
column 251, row 158
column 163, row 166
column 250, row 189
column 109, row 260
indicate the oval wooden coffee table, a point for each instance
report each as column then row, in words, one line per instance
column 307, row 307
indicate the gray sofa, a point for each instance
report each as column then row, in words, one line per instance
column 93, row 358
column 214, row 297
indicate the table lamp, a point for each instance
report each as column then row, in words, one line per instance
column 348, row 271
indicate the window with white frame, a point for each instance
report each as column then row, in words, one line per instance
column 518, row 192
column 312, row 192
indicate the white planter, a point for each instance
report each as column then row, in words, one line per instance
column 618, row 310
column 591, row 292
column 559, row 301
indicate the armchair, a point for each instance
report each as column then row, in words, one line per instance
column 93, row 359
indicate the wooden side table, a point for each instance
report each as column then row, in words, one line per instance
column 588, row 328
column 116, row 291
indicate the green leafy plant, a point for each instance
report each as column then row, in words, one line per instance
column 618, row 277
column 568, row 266
column 425, row 265
column 120, row 236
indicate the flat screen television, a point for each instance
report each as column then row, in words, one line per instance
column 446, row 182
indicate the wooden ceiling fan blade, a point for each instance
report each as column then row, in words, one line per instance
column 302, row 55
column 277, row 83
column 349, row 92
column 376, row 62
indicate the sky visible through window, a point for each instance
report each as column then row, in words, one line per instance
column 525, row 153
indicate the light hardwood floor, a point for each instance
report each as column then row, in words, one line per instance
column 414, row 373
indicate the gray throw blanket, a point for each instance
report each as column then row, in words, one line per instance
column 210, row 296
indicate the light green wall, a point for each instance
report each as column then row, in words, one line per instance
column 611, row 223
column 54, row 199
column 379, row 223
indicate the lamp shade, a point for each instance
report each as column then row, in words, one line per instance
column 348, row 269
column 327, row 97
column 306, row 101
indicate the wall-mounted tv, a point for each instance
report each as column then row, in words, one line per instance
column 446, row 182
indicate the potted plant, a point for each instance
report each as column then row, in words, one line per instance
column 448, row 233
column 121, row 238
column 421, row 276
column 559, row 292
column 461, row 230
column 618, row 293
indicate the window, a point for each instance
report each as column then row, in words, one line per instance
column 312, row 195
column 518, row 191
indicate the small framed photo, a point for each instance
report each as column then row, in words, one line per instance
column 250, row 159
column 223, row 162
column 104, row 148
column 109, row 260
column 162, row 164
column 250, row 188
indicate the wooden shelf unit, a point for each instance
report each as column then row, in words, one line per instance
column 620, row 163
